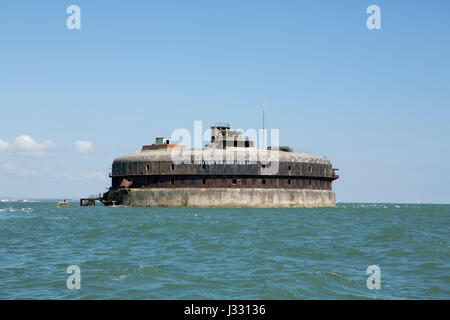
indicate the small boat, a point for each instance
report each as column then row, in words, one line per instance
column 63, row 204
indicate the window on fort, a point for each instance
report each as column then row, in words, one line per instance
column 172, row 181
column 147, row 167
column 235, row 143
column 289, row 168
column 203, row 181
column 310, row 169
column 234, row 181
column 172, row 167
column 309, row 182
column 289, row 181
column 203, row 166
column 263, row 181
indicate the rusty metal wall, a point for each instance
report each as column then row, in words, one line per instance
column 166, row 174
column 224, row 181
column 294, row 169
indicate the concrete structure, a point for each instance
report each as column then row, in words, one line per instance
column 222, row 197
column 229, row 172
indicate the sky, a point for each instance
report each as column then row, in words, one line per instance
column 375, row 102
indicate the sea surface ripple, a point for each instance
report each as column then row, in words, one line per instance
column 218, row 253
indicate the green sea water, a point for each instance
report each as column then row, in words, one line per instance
column 218, row 253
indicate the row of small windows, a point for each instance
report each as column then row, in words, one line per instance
column 172, row 168
column 244, row 181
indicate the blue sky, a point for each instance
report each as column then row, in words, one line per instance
column 374, row 102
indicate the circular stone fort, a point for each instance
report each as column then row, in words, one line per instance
column 229, row 172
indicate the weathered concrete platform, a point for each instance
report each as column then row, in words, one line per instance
column 221, row 197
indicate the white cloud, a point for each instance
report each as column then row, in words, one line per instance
column 94, row 175
column 4, row 145
column 26, row 146
column 15, row 169
column 85, row 147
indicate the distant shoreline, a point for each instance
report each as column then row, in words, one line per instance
column 37, row 200
column 338, row 203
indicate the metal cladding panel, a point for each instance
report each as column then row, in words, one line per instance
column 201, row 181
column 169, row 168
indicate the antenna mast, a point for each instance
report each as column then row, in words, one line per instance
column 264, row 118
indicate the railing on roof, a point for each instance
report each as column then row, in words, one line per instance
column 221, row 124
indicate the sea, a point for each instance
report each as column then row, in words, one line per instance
column 351, row 251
